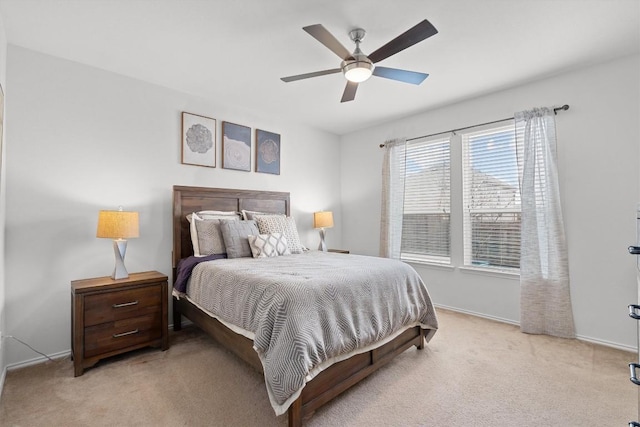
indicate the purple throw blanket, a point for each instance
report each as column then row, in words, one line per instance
column 185, row 266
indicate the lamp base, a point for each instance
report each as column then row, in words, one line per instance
column 120, row 249
column 323, row 246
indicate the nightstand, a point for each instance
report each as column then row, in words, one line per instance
column 340, row 251
column 110, row 317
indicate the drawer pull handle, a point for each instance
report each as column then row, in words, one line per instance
column 124, row 334
column 125, row 304
column 633, row 311
column 634, row 378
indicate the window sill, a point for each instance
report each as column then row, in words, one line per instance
column 430, row 264
column 490, row 272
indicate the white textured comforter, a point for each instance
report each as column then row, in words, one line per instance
column 308, row 311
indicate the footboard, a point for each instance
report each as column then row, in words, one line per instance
column 326, row 385
column 339, row 377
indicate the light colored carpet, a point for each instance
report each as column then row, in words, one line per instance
column 474, row 372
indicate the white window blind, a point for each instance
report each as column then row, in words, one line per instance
column 427, row 201
column 491, row 198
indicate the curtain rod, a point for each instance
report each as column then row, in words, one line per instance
column 565, row 107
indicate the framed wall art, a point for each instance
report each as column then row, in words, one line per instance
column 267, row 152
column 198, row 140
column 236, row 147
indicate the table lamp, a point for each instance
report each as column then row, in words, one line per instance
column 118, row 225
column 322, row 220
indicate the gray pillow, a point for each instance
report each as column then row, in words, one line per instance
column 252, row 214
column 235, row 235
column 206, row 237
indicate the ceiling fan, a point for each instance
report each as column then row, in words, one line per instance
column 358, row 67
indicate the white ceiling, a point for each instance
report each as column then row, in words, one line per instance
column 236, row 51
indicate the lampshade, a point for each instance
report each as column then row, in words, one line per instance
column 117, row 224
column 323, row 219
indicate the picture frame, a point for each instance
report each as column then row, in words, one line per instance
column 236, row 147
column 267, row 152
column 198, row 140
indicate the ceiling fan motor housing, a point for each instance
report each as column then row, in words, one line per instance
column 358, row 68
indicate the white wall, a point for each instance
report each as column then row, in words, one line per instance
column 3, row 81
column 79, row 140
column 598, row 152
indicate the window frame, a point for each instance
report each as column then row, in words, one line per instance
column 468, row 260
column 441, row 155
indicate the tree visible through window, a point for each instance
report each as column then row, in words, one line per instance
column 491, row 198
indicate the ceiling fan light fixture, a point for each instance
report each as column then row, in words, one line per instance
column 357, row 71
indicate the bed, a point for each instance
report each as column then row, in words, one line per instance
column 327, row 382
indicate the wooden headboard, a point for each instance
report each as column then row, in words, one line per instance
column 193, row 199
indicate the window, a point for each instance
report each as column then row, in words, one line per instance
column 427, row 201
column 483, row 193
column 491, row 198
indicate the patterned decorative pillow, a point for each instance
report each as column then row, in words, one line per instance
column 268, row 245
column 270, row 224
column 235, row 238
column 206, row 237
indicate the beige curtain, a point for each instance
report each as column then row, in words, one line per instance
column 393, row 168
column 545, row 299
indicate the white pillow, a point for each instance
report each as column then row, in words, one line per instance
column 268, row 245
column 271, row 224
column 204, row 227
column 215, row 215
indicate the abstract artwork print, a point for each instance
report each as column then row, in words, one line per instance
column 198, row 140
column 236, row 147
column 267, row 152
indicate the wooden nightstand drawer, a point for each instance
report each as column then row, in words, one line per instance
column 107, row 337
column 110, row 306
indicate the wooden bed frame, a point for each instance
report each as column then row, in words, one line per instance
column 330, row 382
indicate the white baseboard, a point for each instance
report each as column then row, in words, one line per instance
column 608, row 343
column 38, row 360
column 475, row 313
column 598, row 341
column 55, row 356
column 2, row 378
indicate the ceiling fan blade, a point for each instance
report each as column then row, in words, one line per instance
column 321, row 34
column 309, row 75
column 405, row 76
column 349, row 92
column 407, row 39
